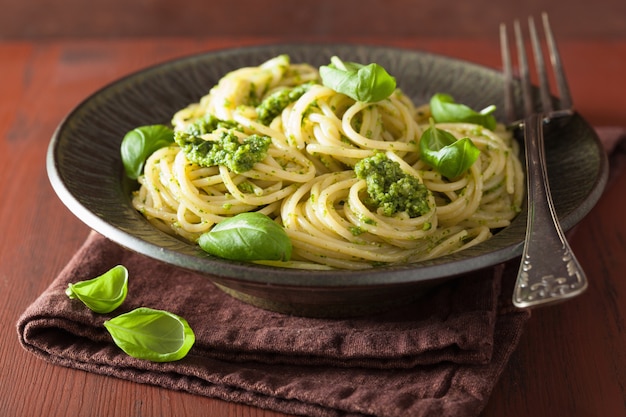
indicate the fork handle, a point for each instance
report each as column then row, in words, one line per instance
column 549, row 271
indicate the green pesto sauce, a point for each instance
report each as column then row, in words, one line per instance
column 238, row 156
column 391, row 189
column 356, row 231
column 275, row 103
column 368, row 220
column 246, row 187
column 209, row 123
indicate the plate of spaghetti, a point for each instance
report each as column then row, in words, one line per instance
column 319, row 180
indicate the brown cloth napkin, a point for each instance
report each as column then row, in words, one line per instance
column 440, row 356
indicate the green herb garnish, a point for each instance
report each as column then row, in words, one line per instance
column 249, row 236
column 139, row 143
column 449, row 156
column 445, row 110
column 154, row 335
column 366, row 83
column 104, row 293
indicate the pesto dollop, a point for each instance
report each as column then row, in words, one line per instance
column 275, row 103
column 391, row 189
column 210, row 123
column 238, row 155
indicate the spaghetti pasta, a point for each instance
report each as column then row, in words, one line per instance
column 307, row 181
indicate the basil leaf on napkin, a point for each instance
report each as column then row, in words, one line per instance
column 104, row 293
column 154, row 335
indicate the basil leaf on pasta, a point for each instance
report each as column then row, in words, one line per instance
column 248, row 237
column 445, row 110
column 366, row 83
column 449, row 156
column 139, row 143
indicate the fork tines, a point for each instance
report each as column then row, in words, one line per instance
column 524, row 73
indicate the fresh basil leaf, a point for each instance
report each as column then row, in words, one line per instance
column 154, row 335
column 247, row 237
column 449, row 156
column 366, row 83
column 104, row 293
column 139, row 143
column 445, row 110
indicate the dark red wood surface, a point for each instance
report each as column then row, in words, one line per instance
column 571, row 360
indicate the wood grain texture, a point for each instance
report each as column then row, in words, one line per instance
column 571, row 360
column 386, row 19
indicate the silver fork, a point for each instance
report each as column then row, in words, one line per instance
column 549, row 271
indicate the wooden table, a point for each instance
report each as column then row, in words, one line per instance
column 571, row 360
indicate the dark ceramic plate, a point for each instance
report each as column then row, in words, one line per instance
column 86, row 172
